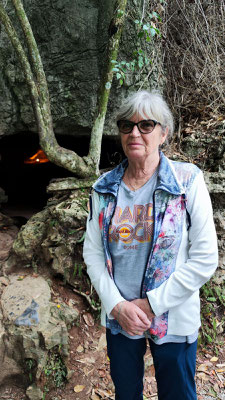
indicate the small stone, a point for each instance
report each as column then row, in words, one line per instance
column 34, row 393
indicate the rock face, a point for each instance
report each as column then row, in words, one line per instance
column 8, row 233
column 67, row 35
column 207, row 149
column 50, row 237
column 72, row 38
column 31, row 328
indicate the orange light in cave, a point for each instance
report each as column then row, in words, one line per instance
column 37, row 158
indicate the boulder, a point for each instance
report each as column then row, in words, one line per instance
column 34, row 393
column 31, row 328
column 52, row 237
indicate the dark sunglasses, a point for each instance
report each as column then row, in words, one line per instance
column 144, row 126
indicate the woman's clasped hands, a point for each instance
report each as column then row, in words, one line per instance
column 133, row 316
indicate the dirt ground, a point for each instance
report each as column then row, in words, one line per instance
column 90, row 366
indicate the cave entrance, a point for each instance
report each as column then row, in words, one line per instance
column 25, row 182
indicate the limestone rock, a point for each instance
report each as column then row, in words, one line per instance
column 5, row 221
column 70, row 183
column 30, row 236
column 207, row 148
column 70, row 213
column 6, row 241
column 34, row 393
column 215, row 182
column 31, row 326
column 25, row 300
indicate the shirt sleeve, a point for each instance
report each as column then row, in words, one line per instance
column 93, row 254
column 202, row 254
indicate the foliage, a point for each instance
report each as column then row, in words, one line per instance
column 55, row 369
column 77, row 270
column 30, row 365
column 213, row 320
column 140, row 59
column 193, row 53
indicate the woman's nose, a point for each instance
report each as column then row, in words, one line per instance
column 135, row 131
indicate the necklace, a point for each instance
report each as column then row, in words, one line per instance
column 135, row 188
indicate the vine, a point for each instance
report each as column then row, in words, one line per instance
column 145, row 32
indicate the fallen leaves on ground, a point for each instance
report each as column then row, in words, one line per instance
column 78, row 388
column 89, row 320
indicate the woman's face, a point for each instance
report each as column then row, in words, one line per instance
column 138, row 146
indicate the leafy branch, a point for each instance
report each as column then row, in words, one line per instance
column 140, row 59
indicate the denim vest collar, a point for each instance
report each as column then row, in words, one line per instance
column 168, row 181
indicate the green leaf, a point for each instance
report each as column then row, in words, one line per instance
column 152, row 31
column 132, row 65
column 120, row 13
column 121, row 81
column 140, row 62
column 214, row 324
column 155, row 14
column 145, row 27
column 115, row 69
column 113, row 61
column 136, row 21
column 72, row 231
column 83, row 236
column 108, row 85
column 211, row 298
column 209, row 338
column 141, row 34
column 118, row 75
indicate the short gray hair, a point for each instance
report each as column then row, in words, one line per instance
column 149, row 105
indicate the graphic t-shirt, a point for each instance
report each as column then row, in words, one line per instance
column 130, row 236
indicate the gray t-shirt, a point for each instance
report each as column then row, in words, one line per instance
column 130, row 236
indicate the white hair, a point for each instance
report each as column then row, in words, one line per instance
column 150, row 105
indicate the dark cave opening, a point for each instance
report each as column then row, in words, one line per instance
column 25, row 184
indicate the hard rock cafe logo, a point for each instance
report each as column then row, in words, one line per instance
column 128, row 226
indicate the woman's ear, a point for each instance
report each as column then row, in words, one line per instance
column 164, row 135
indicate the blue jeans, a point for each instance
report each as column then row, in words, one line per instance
column 174, row 368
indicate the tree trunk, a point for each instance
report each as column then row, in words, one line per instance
column 113, row 47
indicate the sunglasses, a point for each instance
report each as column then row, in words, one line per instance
column 144, row 126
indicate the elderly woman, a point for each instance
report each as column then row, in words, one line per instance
column 150, row 245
